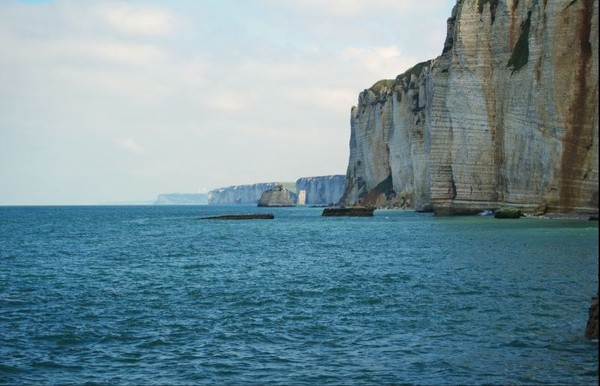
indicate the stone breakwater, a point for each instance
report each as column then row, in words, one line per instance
column 507, row 116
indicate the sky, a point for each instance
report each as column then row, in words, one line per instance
column 119, row 101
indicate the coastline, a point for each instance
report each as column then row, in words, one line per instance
column 566, row 216
column 591, row 216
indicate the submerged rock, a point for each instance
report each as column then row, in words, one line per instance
column 250, row 216
column 356, row 211
column 508, row 213
column 278, row 196
column 591, row 329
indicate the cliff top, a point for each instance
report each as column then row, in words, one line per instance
column 415, row 70
column 381, row 84
column 291, row 186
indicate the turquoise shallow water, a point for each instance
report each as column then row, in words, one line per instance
column 151, row 295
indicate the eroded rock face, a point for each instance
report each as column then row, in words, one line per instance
column 278, row 196
column 506, row 116
column 322, row 190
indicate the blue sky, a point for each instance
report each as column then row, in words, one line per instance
column 107, row 101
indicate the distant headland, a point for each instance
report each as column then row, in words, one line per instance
column 320, row 190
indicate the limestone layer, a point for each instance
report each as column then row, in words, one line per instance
column 506, row 116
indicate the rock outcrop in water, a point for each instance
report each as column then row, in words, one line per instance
column 591, row 328
column 249, row 216
column 322, row 190
column 355, row 211
column 507, row 116
column 278, row 196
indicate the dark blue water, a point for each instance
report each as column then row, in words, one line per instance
column 151, row 295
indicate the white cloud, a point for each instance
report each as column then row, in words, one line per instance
column 136, row 19
column 228, row 100
column 125, row 53
column 344, row 8
column 130, row 146
column 381, row 62
column 221, row 92
column 332, row 99
column 363, row 9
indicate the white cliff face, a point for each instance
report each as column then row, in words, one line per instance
column 322, row 190
column 239, row 194
column 507, row 115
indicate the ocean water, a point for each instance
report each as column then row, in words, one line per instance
column 152, row 295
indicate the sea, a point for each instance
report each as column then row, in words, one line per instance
column 152, row 295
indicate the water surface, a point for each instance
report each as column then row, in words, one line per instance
column 152, row 295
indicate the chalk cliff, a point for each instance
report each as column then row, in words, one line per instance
column 240, row 194
column 506, row 116
column 322, row 190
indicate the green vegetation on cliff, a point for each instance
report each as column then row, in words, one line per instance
column 493, row 6
column 381, row 84
column 290, row 186
column 520, row 54
column 415, row 70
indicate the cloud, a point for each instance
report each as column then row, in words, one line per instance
column 258, row 89
column 228, row 100
column 130, row 146
column 362, row 9
column 125, row 53
column 342, row 8
column 332, row 99
column 136, row 19
column 380, row 62
column 374, row 59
